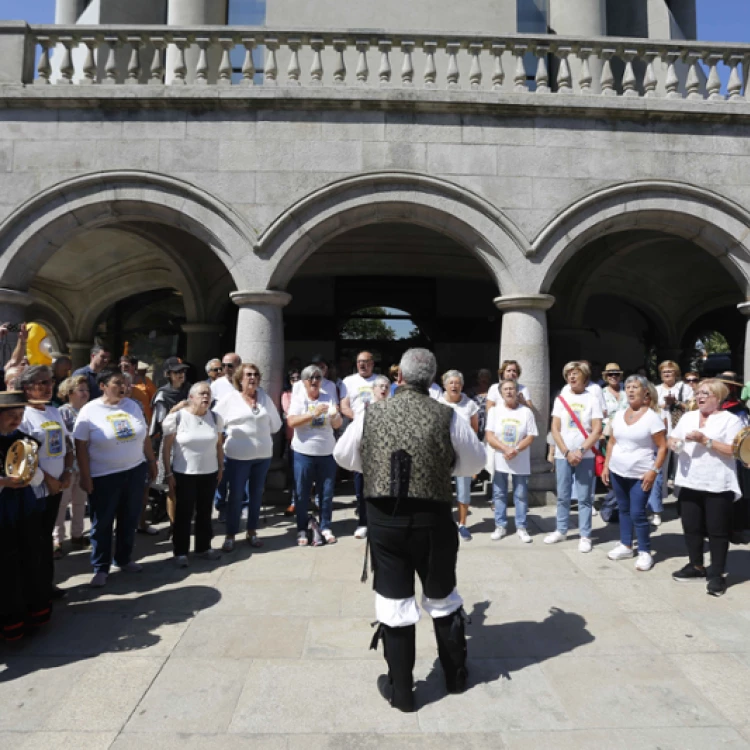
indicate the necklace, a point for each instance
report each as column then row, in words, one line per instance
column 633, row 416
column 254, row 408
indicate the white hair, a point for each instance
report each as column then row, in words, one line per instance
column 418, row 367
column 453, row 374
column 194, row 388
column 210, row 363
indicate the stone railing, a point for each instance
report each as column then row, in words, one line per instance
column 254, row 56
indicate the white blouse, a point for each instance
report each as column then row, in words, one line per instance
column 248, row 433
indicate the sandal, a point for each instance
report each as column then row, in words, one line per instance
column 228, row 545
column 329, row 537
column 253, row 541
column 302, row 539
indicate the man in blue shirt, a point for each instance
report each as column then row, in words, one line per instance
column 100, row 357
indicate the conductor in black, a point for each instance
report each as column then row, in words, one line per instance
column 407, row 448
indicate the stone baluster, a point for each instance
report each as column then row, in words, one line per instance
column 713, row 85
column 629, row 80
column 608, row 77
column 67, row 70
column 734, row 85
column 452, row 74
column 564, row 76
column 384, row 73
column 133, row 77
column 110, row 67
column 693, row 82
column 672, row 82
column 407, row 67
column 542, row 73
column 586, row 79
column 316, row 71
column 475, row 72
column 271, row 72
column 520, row 84
column 201, row 67
column 43, row 68
column 89, row 64
column 363, row 70
column 225, row 64
column 430, row 69
column 746, row 76
column 650, row 81
column 498, row 74
column 179, row 72
column 248, row 64
column 156, row 71
column 294, row 70
column 339, row 68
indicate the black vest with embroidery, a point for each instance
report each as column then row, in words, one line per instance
column 406, row 448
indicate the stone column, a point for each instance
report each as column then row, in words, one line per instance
column 202, row 343
column 260, row 335
column 524, row 338
column 80, row 353
column 744, row 308
column 68, row 11
column 13, row 306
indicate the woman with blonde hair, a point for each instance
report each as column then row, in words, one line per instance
column 509, row 370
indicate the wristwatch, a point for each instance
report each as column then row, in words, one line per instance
column 709, row 444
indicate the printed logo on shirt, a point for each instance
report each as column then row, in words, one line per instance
column 122, row 426
column 54, row 434
column 578, row 410
column 365, row 394
column 509, row 434
column 319, row 421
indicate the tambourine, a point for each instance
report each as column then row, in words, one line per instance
column 741, row 447
column 22, row 460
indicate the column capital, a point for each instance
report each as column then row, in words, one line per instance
column 524, row 302
column 744, row 308
column 15, row 297
column 271, row 297
column 216, row 328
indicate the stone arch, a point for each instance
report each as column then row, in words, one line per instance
column 32, row 233
column 707, row 219
column 402, row 197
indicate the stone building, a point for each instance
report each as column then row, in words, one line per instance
column 519, row 178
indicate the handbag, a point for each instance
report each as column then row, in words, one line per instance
column 677, row 410
column 598, row 457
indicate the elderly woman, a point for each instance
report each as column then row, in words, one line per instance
column 576, row 429
column 114, row 458
column 24, row 576
column 509, row 370
column 250, row 420
column 314, row 416
column 74, row 392
column 707, row 478
column 381, row 388
column 637, row 433
column 511, row 429
column 615, row 398
column 453, row 383
column 45, row 424
column 193, row 457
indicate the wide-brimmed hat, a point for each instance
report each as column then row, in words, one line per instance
column 612, row 367
column 13, row 400
column 730, row 378
column 174, row 364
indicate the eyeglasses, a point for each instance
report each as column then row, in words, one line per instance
column 41, row 384
column 691, row 380
column 363, row 361
column 229, row 365
column 215, row 369
column 316, row 377
column 708, row 394
column 252, row 374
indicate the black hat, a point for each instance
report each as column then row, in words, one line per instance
column 13, row 400
column 174, row 364
column 316, row 359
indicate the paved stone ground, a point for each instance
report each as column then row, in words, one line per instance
column 269, row 650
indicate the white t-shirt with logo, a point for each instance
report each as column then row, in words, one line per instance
column 48, row 428
column 495, row 396
column 466, row 407
column 359, row 391
column 114, row 433
column 194, row 449
column 586, row 407
column 316, row 438
column 510, row 427
column 633, row 454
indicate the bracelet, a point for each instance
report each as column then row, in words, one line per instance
column 709, row 444
column 166, row 476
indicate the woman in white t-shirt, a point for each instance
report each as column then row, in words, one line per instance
column 453, row 382
column 509, row 370
column 114, row 458
column 193, row 457
column 314, row 415
column 631, row 468
column 250, row 420
column 511, row 429
column 707, row 478
column 574, row 459
column 45, row 424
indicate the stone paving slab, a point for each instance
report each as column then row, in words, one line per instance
column 269, row 649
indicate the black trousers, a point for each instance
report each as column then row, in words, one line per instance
column 49, row 518
column 707, row 514
column 195, row 494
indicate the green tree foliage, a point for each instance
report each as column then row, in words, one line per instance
column 368, row 325
column 714, row 343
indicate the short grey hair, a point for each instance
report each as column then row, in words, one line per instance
column 210, row 362
column 453, row 374
column 309, row 371
column 194, row 388
column 648, row 390
column 33, row 373
column 381, row 379
column 418, row 367
column 127, row 377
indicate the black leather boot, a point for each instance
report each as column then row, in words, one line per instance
column 451, row 641
column 399, row 649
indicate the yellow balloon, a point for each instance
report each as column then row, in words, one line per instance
column 38, row 346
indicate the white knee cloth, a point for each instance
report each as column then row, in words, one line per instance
column 442, row 607
column 399, row 613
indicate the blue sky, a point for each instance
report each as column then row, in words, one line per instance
column 718, row 20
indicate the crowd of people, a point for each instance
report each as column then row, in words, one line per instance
column 106, row 435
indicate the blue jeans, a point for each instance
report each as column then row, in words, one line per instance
column 117, row 497
column 583, row 474
column 520, row 498
column 631, row 502
column 655, row 499
column 220, row 499
column 322, row 471
column 463, row 490
column 240, row 473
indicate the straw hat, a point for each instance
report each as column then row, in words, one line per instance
column 612, row 367
column 13, row 400
column 730, row 378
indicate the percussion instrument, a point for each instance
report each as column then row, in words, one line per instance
column 22, row 460
column 741, row 447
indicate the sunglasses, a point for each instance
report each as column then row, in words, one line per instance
column 252, row 374
column 611, row 374
column 691, row 380
column 315, row 377
column 215, row 369
column 228, row 365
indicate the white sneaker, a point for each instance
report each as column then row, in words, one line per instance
column 620, row 552
column 594, row 511
column 523, row 535
column 656, row 520
column 554, row 538
column 644, row 562
column 498, row 533
column 361, row 532
column 584, row 545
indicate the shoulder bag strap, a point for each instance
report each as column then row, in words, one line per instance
column 577, row 423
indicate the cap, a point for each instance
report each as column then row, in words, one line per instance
column 613, row 367
column 13, row 400
column 174, row 364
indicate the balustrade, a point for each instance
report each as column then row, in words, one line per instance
column 548, row 64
